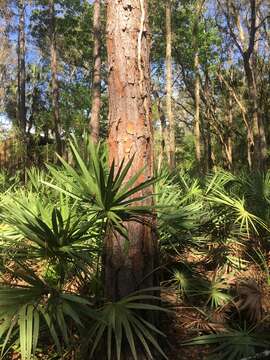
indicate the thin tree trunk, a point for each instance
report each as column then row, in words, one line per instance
column 163, row 131
column 212, row 110
column 229, row 138
column 96, row 88
column 26, row 154
column 197, row 127
column 256, row 154
column 170, row 115
column 21, row 69
column 209, row 155
column 244, row 113
column 54, row 80
column 230, row 116
column 230, row 124
column 207, row 133
column 130, row 132
column 263, row 142
column 197, row 122
column 257, row 158
column 247, row 46
column 164, row 140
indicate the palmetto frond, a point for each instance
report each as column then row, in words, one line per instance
column 51, row 233
column 105, row 193
column 234, row 344
column 123, row 322
column 25, row 310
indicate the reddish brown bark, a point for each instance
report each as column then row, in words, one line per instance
column 96, row 88
column 130, row 132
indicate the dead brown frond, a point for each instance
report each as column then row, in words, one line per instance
column 249, row 303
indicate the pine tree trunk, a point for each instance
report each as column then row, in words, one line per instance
column 96, row 88
column 169, row 84
column 197, row 99
column 54, row 80
column 21, row 97
column 229, row 135
column 207, row 133
column 130, row 132
column 21, row 69
column 197, row 127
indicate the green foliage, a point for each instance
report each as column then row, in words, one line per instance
column 179, row 209
column 123, row 322
column 106, row 194
column 185, row 281
column 261, row 260
column 52, row 241
column 50, row 249
column 54, row 223
column 26, row 309
column 57, row 236
column 7, row 181
column 73, row 23
column 234, row 344
column 231, row 232
column 235, row 208
column 217, row 292
column 39, row 236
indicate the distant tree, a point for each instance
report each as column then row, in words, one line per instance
column 197, row 97
column 54, row 75
column 6, row 52
column 96, row 86
column 245, row 38
column 21, row 69
column 169, row 84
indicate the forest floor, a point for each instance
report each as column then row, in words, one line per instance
column 189, row 320
column 178, row 327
